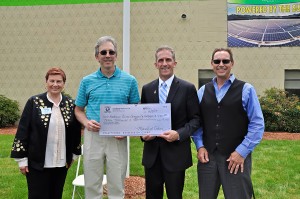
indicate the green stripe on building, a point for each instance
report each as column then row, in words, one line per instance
column 61, row 2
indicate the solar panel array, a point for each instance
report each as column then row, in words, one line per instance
column 264, row 33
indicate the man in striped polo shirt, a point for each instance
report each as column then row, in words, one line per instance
column 108, row 85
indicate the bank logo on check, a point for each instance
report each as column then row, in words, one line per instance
column 107, row 109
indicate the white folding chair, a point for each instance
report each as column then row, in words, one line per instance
column 79, row 179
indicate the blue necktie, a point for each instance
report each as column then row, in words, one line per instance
column 163, row 93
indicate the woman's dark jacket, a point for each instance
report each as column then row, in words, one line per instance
column 31, row 137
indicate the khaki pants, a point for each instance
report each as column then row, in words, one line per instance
column 104, row 153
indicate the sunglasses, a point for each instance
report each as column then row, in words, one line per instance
column 110, row 52
column 218, row 61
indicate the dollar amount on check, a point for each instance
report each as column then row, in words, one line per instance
column 134, row 119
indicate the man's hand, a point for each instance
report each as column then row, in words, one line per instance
column 148, row 137
column 236, row 162
column 120, row 137
column 170, row 136
column 93, row 126
column 202, row 155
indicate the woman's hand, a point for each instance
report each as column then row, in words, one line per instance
column 24, row 170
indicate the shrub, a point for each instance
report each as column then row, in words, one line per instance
column 9, row 111
column 281, row 110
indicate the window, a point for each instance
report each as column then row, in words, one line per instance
column 204, row 76
column 292, row 81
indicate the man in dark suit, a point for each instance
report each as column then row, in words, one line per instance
column 167, row 156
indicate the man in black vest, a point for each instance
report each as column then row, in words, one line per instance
column 233, row 125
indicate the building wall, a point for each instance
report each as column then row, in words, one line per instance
column 35, row 38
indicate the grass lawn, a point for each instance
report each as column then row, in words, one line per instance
column 275, row 173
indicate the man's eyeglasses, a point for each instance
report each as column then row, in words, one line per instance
column 110, row 52
column 218, row 61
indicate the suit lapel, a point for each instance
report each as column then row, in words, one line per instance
column 173, row 90
column 155, row 91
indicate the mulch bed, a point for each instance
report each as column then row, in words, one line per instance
column 281, row 136
column 134, row 187
column 8, row 130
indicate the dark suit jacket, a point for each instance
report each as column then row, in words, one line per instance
column 31, row 137
column 185, row 113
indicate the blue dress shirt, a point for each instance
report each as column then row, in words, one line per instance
column 251, row 106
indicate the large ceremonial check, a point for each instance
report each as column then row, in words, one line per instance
column 134, row 119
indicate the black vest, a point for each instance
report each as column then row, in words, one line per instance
column 226, row 123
